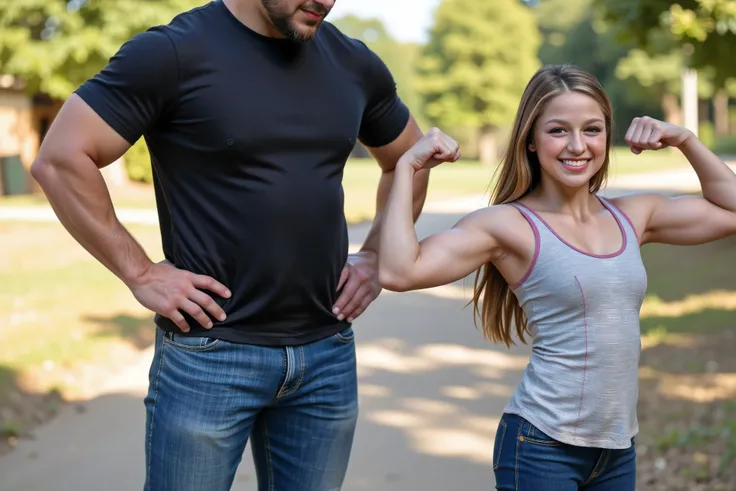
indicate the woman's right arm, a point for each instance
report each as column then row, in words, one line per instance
column 405, row 263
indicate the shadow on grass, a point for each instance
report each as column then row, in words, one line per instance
column 704, row 321
column 139, row 331
column 22, row 409
column 676, row 272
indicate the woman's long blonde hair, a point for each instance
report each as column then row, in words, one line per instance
column 519, row 174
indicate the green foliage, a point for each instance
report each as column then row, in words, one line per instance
column 557, row 20
column 138, row 162
column 55, row 45
column 707, row 133
column 725, row 145
column 477, row 62
column 577, row 34
column 704, row 29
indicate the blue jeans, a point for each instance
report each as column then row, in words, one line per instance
column 526, row 459
column 207, row 397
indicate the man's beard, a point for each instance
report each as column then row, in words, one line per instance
column 283, row 21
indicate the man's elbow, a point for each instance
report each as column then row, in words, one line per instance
column 42, row 168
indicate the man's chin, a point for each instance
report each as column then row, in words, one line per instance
column 304, row 33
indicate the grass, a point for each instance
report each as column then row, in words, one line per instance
column 59, row 308
column 690, row 289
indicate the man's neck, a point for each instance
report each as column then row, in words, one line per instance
column 251, row 14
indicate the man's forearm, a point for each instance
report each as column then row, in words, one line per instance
column 79, row 197
column 421, row 182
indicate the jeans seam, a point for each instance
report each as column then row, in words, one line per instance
column 531, row 433
column 545, row 443
column 269, row 462
column 344, row 339
column 184, row 347
column 153, row 415
column 497, row 458
column 301, row 374
column 285, row 374
column 599, row 467
column 516, row 466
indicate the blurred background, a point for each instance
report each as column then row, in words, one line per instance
column 75, row 344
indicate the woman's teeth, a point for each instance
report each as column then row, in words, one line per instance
column 575, row 163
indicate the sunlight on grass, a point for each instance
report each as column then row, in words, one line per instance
column 64, row 297
column 701, row 387
column 655, row 307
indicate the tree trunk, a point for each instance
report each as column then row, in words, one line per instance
column 487, row 149
column 671, row 109
column 720, row 113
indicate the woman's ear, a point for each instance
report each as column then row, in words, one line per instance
column 532, row 148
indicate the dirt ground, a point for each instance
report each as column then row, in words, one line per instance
column 687, row 414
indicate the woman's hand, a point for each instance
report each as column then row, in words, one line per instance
column 431, row 150
column 651, row 134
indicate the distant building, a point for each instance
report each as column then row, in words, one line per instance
column 24, row 121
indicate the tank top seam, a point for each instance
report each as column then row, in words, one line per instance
column 537, row 247
column 621, row 228
column 585, row 365
column 625, row 216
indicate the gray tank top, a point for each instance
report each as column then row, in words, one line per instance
column 581, row 384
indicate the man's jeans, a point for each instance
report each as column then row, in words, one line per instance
column 206, row 397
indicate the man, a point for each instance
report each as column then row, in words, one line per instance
column 250, row 109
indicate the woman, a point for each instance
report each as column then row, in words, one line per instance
column 562, row 265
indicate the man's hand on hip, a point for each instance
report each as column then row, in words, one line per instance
column 168, row 291
column 359, row 281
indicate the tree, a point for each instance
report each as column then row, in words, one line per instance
column 476, row 64
column 557, row 20
column 660, row 74
column 55, row 45
column 576, row 34
column 705, row 28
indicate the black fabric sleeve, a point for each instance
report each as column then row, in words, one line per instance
column 133, row 91
column 385, row 115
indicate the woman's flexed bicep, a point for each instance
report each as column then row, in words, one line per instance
column 682, row 220
column 447, row 256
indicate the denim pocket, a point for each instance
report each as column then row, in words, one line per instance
column 532, row 434
column 191, row 343
column 346, row 336
column 498, row 442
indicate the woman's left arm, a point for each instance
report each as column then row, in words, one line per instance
column 683, row 220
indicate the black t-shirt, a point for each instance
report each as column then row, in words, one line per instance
column 248, row 137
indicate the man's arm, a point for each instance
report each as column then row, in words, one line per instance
column 66, row 168
column 388, row 130
column 359, row 279
column 95, row 127
column 387, row 156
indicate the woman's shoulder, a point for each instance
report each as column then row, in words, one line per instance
column 504, row 222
